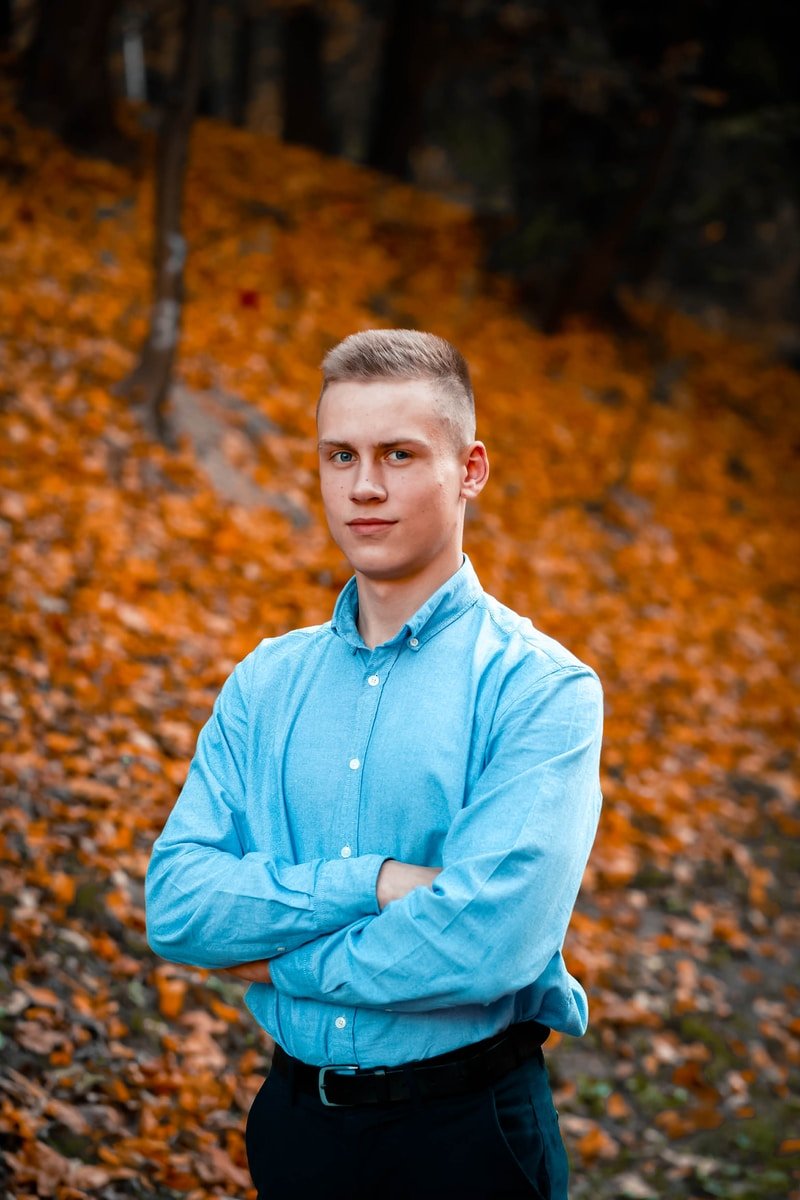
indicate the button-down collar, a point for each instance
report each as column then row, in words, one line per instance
column 453, row 598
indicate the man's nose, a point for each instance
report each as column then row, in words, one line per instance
column 366, row 484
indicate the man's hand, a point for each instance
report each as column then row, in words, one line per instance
column 397, row 879
column 253, row 972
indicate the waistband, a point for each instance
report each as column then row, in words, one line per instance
column 455, row 1073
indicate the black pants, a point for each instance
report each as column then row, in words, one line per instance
column 500, row 1142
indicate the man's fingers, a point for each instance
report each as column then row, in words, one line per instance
column 252, row 972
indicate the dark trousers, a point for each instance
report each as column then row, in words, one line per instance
column 500, row 1142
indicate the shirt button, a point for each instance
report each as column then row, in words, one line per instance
column 355, row 763
column 281, row 949
column 345, row 851
column 413, row 642
column 340, row 1022
column 373, row 680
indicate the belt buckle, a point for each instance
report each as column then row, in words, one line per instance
column 339, row 1069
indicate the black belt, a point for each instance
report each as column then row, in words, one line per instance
column 460, row 1071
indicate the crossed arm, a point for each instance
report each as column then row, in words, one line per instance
column 373, row 931
column 395, row 880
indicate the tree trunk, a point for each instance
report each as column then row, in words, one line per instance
column 66, row 80
column 305, row 110
column 404, row 69
column 148, row 383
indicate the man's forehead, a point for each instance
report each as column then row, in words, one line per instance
column 383, row 411
column 374, row 391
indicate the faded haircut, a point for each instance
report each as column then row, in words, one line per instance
column 407, row 354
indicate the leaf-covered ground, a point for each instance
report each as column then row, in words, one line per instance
column 643, row 509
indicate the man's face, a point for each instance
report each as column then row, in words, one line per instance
column 392, row 480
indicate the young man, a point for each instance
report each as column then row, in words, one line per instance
column 385, row 825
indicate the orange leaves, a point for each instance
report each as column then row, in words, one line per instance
column 53, row 1174
column 617, row 1107
column 596, row 1143
column 199, row 1047
column 171, row 991
column 615, row 863
column 36, row 1038
column 726, row 929
column 690, row 1075
column 225, row 1012
column 677, row 1124
column 67, row 1114
column 42, row 997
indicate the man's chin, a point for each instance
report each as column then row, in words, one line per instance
column 382, row 572
column 376, row 569
column 374, row 564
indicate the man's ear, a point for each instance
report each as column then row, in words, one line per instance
column 475, row 462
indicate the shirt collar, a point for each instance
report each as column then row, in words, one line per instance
column 448, row 602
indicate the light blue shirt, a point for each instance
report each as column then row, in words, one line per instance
column 470, row 741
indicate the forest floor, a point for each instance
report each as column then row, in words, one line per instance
column 643, row 509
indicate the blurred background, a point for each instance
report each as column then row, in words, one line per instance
column 595, row 143
column 598, row 203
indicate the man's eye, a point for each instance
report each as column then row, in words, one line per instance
column 342, row 456
column 399, row 455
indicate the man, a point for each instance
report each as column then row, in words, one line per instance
column 385, row 825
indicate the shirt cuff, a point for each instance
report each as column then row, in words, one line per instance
column 293, row 973
column 347, row 889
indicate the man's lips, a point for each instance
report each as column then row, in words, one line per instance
column 369, row 524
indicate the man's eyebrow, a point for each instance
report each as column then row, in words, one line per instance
column 405, row 441
column 397, row 441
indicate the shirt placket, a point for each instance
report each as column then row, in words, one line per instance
column 374, row 668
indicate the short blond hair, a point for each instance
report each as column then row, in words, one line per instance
column 407, row 354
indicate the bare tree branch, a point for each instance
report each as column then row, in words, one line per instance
column 148, row 384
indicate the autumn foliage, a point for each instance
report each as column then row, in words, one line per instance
column 643, row 509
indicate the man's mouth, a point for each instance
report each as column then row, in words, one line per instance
column 369, row 524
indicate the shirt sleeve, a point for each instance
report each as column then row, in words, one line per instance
column 513, row 861
column 210, row 904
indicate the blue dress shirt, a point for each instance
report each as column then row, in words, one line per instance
column 470, row 741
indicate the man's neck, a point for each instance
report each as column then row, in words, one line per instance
column 384, row 605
